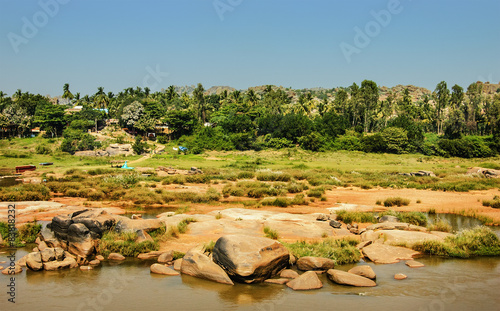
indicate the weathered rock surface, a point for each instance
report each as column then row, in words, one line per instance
column 116, row 256
column 143, row 236
column 346, row 278
column 385, row 254
column 95, row 262
column 323, row 217
column 315, row 263
column 166, row 257
column 12, row 270
column 150, row 255
column 47, row 254
column 491, row 173
column 125, row 224
column 289, row 274
column 178, row 264
column 99, row 257
column 68, row 262
column 414, row 264
column 97, row 221
column 335, row 224
column 22, row 261
column 307, row 281
column 80, row 241
column 250, row 259
column 364, row 271
column 162, row 269
column 196, row 263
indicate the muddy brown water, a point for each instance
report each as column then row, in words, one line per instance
column 443, row 284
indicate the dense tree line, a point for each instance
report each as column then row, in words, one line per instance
column 449, row 122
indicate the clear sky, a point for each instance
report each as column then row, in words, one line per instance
column 241, row 43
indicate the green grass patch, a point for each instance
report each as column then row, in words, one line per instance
column 349, row 217
column 396, row 201
column 414, row 218
column 479, row 241
column 124, row 243
column 440, row 225
column 270, row 233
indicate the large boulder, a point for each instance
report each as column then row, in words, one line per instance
column 80, row 240
column 307, row 281
column 150, row 255
column 34, row 261
column 315, row 263
column 116, row 256
column 60, row 225
column 250, row 259
column 97, row 221
column 125, row 224
column 196, row 263
column 289, row 274
column 162, row 269
column 166, row 257
column 346, row 278
column 364, row 271
column 48, row 238
column 68, row 262
column 48, row 254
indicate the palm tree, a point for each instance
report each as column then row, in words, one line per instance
column 252, row 97
column 171, row 93
column 18, row 94
column 66, row 92
column 101, row 100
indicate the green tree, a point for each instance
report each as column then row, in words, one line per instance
column 50, row 118
column 199, row 98
column 441, row 97
column 66, row 92
column 369, row 98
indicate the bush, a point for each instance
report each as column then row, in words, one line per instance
column 246, row 175
column 440, row 225
column 274, row 176
column 495, row 203
column 349, row 217
column 295, row 187
column 313, row 141
column 139, row 146
column 316, row 192
column 25, row 192
column 28, row 232
column 395, row 139
column 124, row 243
column 467, row 147
column 279, row 202
column 479, row 241
column 340, row 251
column 43, row 149
column 396, row 201
column 414, row 218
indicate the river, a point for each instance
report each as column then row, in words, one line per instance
column 443, row 284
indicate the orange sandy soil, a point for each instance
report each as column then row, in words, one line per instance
column 442, row 202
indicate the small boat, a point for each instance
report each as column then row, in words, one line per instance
column 46, row 163
column 24, row 168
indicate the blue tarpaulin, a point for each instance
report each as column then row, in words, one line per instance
column 125, row 166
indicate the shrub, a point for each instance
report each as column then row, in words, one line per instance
column 96, row 195
column 467, row 147
column 229, row 190
column 270, row 233
column 246, row 175
column 396, row 201
column 395, row 139
column 28, row 232
column 440, row 225
column 25, row 192
column 414, row 218
column 124, row 243
column 198, row 179
column 295, row 187
column 280, row 202
column 349, row 217
column 182, row 225
column 495, row 203
column 43, row 149
column 479, row 241
column 341, row 251
column 274, row 176
column 316, row 192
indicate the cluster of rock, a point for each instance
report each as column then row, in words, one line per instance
column 353, row 228
column 111, row 151
column 486, row 172
column 174, row 171
column 419, row 174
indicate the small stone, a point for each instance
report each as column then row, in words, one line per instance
column 400, row 276
column 290, row 274
column 12, row 270
column 86, row 268
column 346, row 278
column 166, row 257
column 322, row 217
column 307, row 281
column 99, row 257
column 414, row 264
column 116, row 256
column 94, row 262
column 365, row 271
column 335, row 224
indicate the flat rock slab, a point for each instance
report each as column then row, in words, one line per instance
column 364, row 271
column 385, row 254
column 400, row 276
column 306, row 281
column 414, row 264
column 289, row 274
column 346, row 278
column 409, row 238
column 162, row 269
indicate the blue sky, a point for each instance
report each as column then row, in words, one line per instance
column 122, row 43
